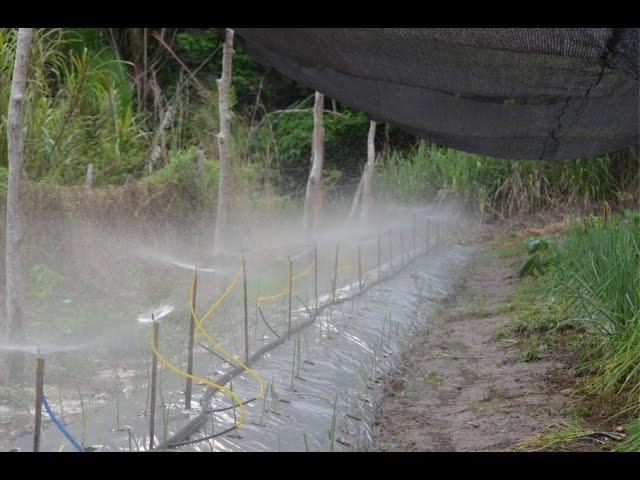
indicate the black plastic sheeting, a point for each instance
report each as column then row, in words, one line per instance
column 535, row 93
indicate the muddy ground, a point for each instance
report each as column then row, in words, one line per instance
column 463, row 387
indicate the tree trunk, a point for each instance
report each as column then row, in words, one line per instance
column 356, row 203
column 313, row 196
column 367, row 175
column 15, row 149
column 363, row 200
column 221, row 237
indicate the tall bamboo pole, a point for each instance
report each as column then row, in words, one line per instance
column 414, row 233
column 38, row 410
column 290, row 294
column 359, row 268
column 335, row 274
column 379, row 257
column 154, row 377
column 246, row 310
column 315, row 273
column 192, row 332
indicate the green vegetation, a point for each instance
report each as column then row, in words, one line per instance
column 93, row 97
column 590, row 291
column 499, row 188
column 100, row 96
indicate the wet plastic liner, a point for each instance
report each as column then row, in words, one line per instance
column 323, row 385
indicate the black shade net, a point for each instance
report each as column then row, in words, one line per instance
column 535, row 93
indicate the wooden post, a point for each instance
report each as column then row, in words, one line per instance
column 313, row 194
column 437, row 233
column 290, row 294
column 414, row 234
column 225, row 176
column 89, row 180
column 426, row 236
column 335, row 274
column 14, row 244
column 246, row 310
column 154, row 377
column 390, row 249
column 192, row 333
column 402, row 248
column 379, row 259
column 359, row 268
column 38, row 412
column 315, row 273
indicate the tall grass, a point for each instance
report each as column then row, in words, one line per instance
column 597, row 277
column 79, row 109
column 593, row 286
column 495, row 187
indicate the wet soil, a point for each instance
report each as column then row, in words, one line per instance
column 461, row 387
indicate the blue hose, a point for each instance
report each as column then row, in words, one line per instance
column 60, row 426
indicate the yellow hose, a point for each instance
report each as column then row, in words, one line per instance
column 222, row 388
column 344, row 266
column 281, row 294
column 215, row 345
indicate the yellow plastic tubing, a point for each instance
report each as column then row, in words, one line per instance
column 203, row 381
column 281, row 294
column 215, row 345
column 344, row 266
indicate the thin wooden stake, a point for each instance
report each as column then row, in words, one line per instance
column 390, row 249
column 379, row 259
column 246, row 310
column 192, row 333
column 290, row 294
column 38, row 413
column 154, row 377
column 426, row 236
column 359, row 268
column 414, row 234
column 437, row 233
column 335, row 274
column 315, row 273
column 402, row 248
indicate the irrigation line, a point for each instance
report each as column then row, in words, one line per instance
column 213, row 352
column 267, row 323
column 203, row 439
column 60, row 426
column 180, row 438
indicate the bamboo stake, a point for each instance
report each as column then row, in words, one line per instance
column 379, row 260
column 38, row 412
column 414, row 233
column 192, row 332
column 154, row 377
column 290, row 294
column 246, row 310
column 315, row 273
column 359, row 268
column 335, row 274
column 426, row 236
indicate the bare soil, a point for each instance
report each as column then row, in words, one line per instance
column 461, row 387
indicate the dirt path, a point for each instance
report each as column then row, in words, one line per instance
column 459, row 387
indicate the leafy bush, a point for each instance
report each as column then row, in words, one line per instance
column 539, row 256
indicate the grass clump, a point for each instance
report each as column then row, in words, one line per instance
column 591, row 286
